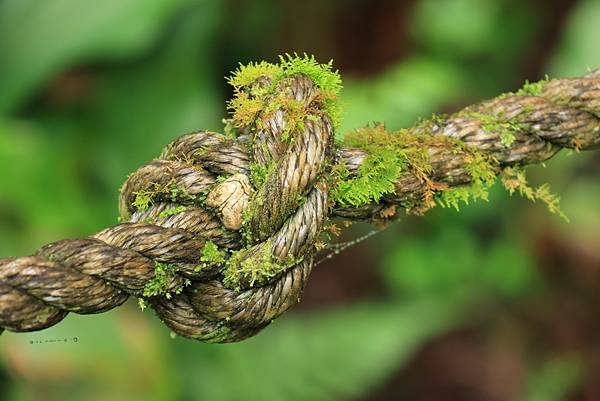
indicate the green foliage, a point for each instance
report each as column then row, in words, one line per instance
column 554, row 379
column 255, row 266
column 514, row 179
column 388, row 154
column 170, row 212
column 533, row 88
column 452, row 262
column 483, row 176
column 211, row 256
column 577, row 49
column 162, row 282
column 143, row 199
column 245, row 108
column 114, row 30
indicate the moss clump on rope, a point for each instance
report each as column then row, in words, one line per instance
column 483, row 175
column 143, row 199
column 389, row 154
column 247, row 104
column 533, row 88
column 255, row 267
column 211, row 255
column 162, row 282
column 515, row 180
column 172, row 211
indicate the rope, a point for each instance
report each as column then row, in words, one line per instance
column 219, row 232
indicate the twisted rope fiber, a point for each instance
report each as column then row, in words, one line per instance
column 203, row 193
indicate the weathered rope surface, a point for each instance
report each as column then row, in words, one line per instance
column 220, row 231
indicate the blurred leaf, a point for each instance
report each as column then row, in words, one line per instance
column 414, row 88
column 109, row 356
column 335, row 355
column 453, row 262
column 40, row 39
column 473, row 28
column 579, row 46
column 74, row 160
column 554, row 379
column 467, row 26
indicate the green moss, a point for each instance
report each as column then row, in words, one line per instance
column 376, row 177
column 172, row 211
column 211, row 255
column 389, row 153
column 322, row 75
column 249, row 73
column 246, row 231
column 160, row 284
column 506, row 129
column 533, row 88
column 142, row 304
column 247, row 104
column 254, row 267
column 177, row 194
column 514, row 179
column 507, row 138
column 245, row 109
column 258, row 173
column 143, row 199
column 483, row 175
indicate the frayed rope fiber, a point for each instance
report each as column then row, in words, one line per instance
column 219, row 233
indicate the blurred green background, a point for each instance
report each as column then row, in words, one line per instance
column 496, row 302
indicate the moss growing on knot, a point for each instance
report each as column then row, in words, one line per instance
column 211, row 255
column 162, row 284
column 254, row 266
column 254, row 82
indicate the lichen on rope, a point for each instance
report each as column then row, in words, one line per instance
column 219, row 233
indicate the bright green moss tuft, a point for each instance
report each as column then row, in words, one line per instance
column 246, row 105
column 254, row 267
column 212, row 255
column 388, row 154
column 249, row 73
column 514, row 179
column 172, row 211
column 143, row 200
column 376, row 177
column 533, row 88
column 483, row 175
column 258, row 173
column 507, row 138
column 322, row 75
column 161, row 283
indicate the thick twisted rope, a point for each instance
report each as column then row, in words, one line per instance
column 219, row 232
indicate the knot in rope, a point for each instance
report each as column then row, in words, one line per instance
column 219, row 233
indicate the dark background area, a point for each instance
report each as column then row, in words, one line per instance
column 496, row 302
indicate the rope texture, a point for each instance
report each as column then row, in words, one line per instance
column 203, row 192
